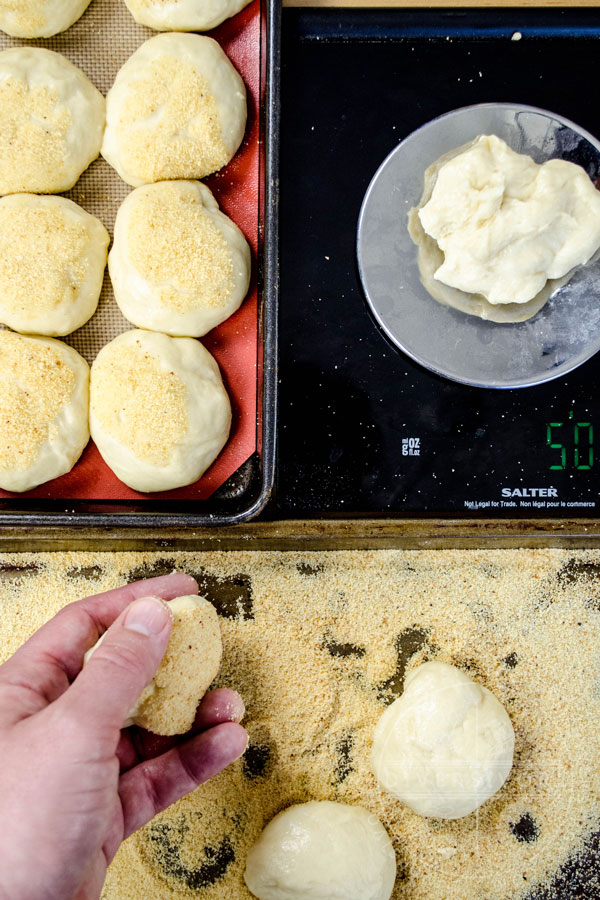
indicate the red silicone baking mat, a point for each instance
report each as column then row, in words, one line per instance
column 99, row 43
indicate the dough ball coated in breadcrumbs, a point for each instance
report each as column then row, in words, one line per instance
column 177, row 109
column 159, row 413
column 39, row 18
column 168, row 704
column 43, row 410
column 183, row 15
column 51, row 121
column 52, row 259
column 178, row 264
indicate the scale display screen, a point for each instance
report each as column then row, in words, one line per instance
column 363, row 430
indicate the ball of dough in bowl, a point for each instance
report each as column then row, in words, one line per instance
column 159, row 413
column 183, row 15
column 445, row 746
column 51, row 121
column 177, row 109
column 39, row 18
column 322, row 851
column 177, row 264
column 43, row 410
column 191, row 662
column 52, row 259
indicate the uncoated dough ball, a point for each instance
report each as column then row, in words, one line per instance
column 51, row 121
column 445, row 746
column 183, row 15
column 322, row 851
column 191, row 662
column 177, row 109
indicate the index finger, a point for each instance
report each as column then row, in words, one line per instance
column 61, row 643
column 216, row 707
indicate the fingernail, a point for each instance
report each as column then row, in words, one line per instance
column 148, row 615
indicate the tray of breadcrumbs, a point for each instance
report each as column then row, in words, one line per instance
column 319, row 644
column 153, row 431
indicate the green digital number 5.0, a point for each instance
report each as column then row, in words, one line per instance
column 583, row 444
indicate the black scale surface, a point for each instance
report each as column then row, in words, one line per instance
column 354, row 84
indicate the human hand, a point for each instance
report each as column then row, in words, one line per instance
column 73, row 786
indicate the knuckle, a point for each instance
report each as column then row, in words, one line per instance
column 67, row 727
column 74, row 615
column 123, row 656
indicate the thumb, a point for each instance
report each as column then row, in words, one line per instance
column 123, row 663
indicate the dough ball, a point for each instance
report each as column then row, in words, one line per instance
column 168, row 704
column 177, row 109
column 506, row 224
column 445, row 746
column 51, row 121
column 322, row 851
column 183, row 15
column 52, row 259
column 159, row 413
column 178, row 264
column 497, row 234
column 43, row 410
column 39, row 18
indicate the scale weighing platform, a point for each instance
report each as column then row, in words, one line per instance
column 363, row 429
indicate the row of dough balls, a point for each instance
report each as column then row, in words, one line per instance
column 177, row 109
column 178, row 265
column 44, row 18
column 443, row 748
column 155, row 406
column 161, row 415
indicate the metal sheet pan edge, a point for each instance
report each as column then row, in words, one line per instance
column 310, row 534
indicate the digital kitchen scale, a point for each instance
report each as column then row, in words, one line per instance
column 363, row 428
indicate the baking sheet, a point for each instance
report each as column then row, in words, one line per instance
column 99, row 43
